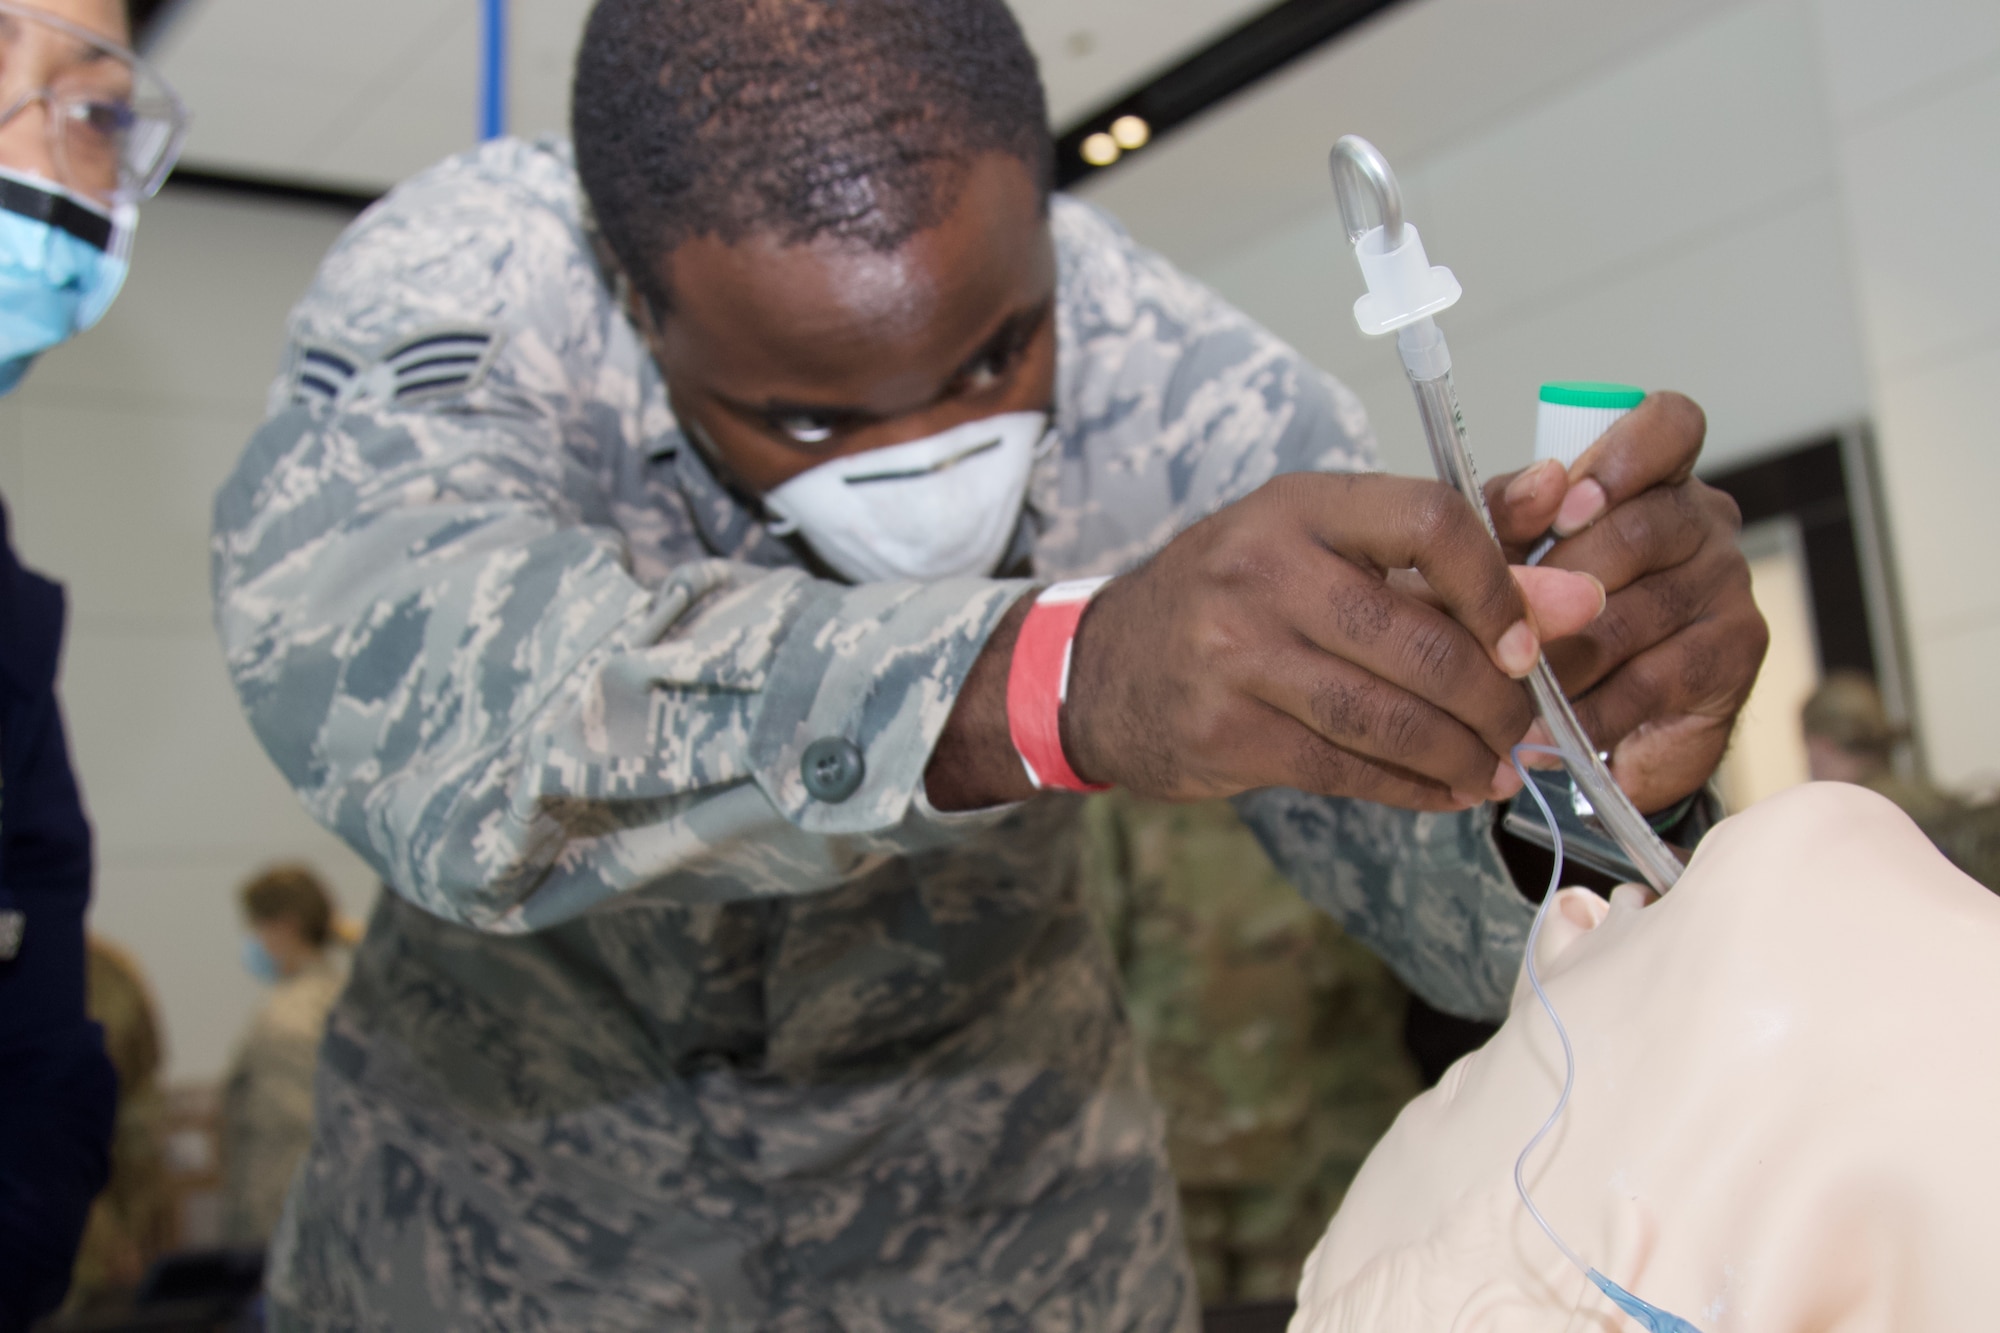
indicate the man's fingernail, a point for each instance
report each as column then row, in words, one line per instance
column 1602, row 596
column 1580, row 508
column 1506, row 780
column 1528, row 485
column 1518, row 649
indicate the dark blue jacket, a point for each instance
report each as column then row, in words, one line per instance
column 58, row 1093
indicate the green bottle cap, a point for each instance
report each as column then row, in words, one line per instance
column 1591, row 393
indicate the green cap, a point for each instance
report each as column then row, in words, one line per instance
column 1591, row 393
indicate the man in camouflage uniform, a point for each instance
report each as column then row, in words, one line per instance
column 1273, row 1042
column 735, row 976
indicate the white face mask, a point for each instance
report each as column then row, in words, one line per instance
column 941, row 507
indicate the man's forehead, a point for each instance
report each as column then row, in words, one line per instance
column 835, row 308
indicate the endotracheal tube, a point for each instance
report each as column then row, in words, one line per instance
column 1404, row 291
column 1649, row 1317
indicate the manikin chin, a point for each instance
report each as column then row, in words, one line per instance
column 1786, row 1116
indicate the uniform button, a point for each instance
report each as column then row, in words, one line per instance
column 833, row 768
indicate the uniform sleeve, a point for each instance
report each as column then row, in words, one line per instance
column 1187, row 405
column 1427, row 892
column 433, row 620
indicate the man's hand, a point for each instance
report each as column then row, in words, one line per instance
column 1659, row 677
column 1269, row 645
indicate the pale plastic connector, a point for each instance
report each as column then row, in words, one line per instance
column 1403, row 285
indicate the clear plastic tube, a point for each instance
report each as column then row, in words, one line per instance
column 1428, row 362
column 1647, row 1315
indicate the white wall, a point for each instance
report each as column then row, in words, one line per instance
column 1786, row 208
column 1914, row 101
column 1644, row 193
column 110, row 455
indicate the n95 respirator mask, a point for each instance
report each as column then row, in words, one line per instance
column 941, row 507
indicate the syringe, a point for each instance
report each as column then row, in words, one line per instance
column 1404, row 292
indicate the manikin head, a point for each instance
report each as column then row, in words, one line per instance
column 831, row 217
column 1784, row 1115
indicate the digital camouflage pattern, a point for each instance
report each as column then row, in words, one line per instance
column 1273, row 1042
column 647, row 1037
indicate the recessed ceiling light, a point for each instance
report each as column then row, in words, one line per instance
column 1130, row 132
column 1100, row 149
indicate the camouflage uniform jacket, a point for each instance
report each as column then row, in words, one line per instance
column 646, row 1035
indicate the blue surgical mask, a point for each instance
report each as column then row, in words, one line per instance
column 62, row 260
column 257, row 961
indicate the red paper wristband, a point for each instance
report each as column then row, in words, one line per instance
column 1038, row 682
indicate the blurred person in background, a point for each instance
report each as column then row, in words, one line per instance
column 1272, row 1040
column 132, row 1222
column 1849, row 738
column 293, row 946
column 86, row 132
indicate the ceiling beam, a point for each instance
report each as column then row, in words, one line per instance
column 1247, row 53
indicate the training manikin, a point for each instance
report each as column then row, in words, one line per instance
column 1786, row 1114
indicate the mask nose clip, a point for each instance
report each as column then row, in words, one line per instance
column 944, row 464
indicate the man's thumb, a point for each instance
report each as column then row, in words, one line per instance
column 1560, row 601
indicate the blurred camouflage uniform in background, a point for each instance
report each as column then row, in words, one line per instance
column 267, row 1098
column 1273, row 1042
column 132, row 1222
column 656, row 1030
column 1850, row 737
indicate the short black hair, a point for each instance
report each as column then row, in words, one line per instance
column 797, row 118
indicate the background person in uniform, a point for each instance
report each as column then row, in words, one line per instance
column 132, row 1222
column 267, row 1095
column 630, row 568
column 1273, row 1042
column 81, row 145
column 1849, row 738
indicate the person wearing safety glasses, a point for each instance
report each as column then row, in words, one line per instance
column 86, row 132
column 660, row 563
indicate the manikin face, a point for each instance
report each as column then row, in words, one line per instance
column 785, row 356
column 1786, row 1116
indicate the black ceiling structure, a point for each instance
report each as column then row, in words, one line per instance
column 147, row 18
column 1239, row 58
column 1253, row 50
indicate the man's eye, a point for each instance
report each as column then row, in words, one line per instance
column 987, row 372
column 806, row 429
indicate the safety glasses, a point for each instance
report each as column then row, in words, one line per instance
column 114, row 126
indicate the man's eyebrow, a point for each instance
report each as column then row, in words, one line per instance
column 1015, row 327
column 778, row 409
